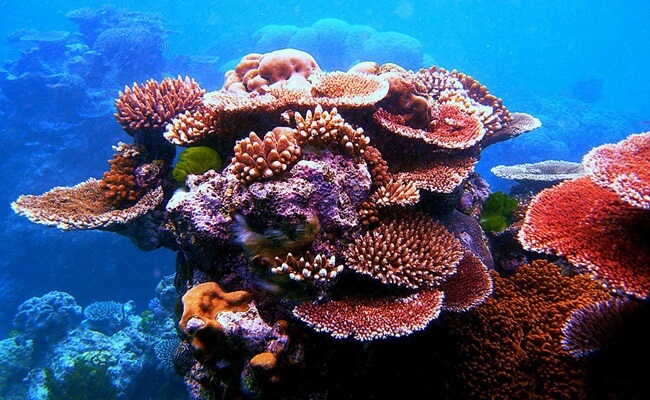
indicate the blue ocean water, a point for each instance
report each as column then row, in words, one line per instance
column 580, row 67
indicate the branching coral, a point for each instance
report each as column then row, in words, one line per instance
column 152, row 105
column 412, row 251
column 261, row 159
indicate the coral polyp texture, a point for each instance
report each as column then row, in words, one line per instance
column 335, row 213
column 599, row 222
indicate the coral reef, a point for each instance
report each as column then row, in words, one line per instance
column 341, row 221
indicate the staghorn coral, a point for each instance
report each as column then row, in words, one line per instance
column 261, row 159
column 623, row 167
column 411, row 251
column 152, row 105
column 307, row 268
column 327, row 129
column 396, row 193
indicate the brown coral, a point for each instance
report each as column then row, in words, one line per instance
column 258, row 159
column 372, row 318
column 83, row 206
column 623, row 167
column 152, row 105
column 411, row 251
column 442, row 174
column 469, row 286
column 510, row 346
column 118, row 185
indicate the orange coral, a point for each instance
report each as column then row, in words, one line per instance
column 594, row 229
column 152, row 105
column 623, row 167
column 411, row 251
column 198, row 324
column 372, row 318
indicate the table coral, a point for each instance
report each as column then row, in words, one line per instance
column 593, row 226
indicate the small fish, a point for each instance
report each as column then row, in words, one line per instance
column 164, row 46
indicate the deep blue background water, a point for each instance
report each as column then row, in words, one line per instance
column 579, row 66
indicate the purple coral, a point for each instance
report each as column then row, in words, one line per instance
column 47, row 319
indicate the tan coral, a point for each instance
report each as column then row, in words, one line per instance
column 258, row 159
column 83, row 206
column 411, row 250
column 396, row 192
column 322, row 129
column 545, row 171
column 442, row 174
column 347, row 89
column 152, row 105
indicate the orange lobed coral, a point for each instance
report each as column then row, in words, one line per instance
column 198, row 324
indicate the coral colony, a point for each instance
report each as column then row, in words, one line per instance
column 336, row 215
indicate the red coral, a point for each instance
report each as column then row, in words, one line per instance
column 594, row 229
column 623, row 167
column 372, row 318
